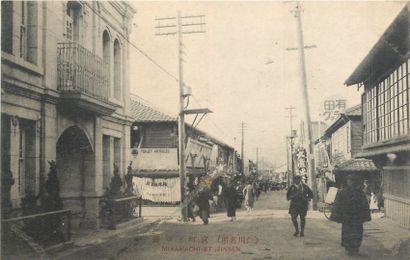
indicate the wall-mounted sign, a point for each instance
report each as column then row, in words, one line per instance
column 332, row 107
column 154, row 158
column 197, row 154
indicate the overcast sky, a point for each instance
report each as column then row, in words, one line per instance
column 226, row 66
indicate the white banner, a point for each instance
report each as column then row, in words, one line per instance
column 158, row 189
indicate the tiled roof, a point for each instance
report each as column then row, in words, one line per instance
column 356, row 165
column 354, row 111
column 141, row 111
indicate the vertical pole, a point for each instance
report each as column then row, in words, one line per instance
column 312, row 174
column 292, row 158
column 242, row 150
column 181, row 143
column 257, row 160
column 287, row 157
column 139, row 206
column 69, row 226
column 234, row 156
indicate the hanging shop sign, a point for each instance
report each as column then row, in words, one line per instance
column 197, row 154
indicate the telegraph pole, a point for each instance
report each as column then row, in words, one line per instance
column 291, row 137
column 305, row 94
column 242, row 147
column 287, row 157
column 234, row 156
column 257, row 160
column 178, row 23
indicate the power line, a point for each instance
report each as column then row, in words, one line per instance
column 140, row 50
column 58, row 37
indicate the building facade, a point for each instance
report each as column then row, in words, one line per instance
column 65, row 97
column 384, row 76
column 154, row 154
column 336, row 150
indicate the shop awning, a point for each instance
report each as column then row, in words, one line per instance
column 356, row 166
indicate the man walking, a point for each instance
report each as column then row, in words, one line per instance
column 249, row 194
column 351, row 209
column 299, row 195
column 202, row 200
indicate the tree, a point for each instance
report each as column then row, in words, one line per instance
column 116, row 183
column 53, row 200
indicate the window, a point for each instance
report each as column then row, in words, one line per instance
column 117, row 152
column 20, row 29
column 386, row 107
column 117, row 70
column 106, row 161
column 72, row 21
column 22, row 157
column 23, row 29
column 7, row 26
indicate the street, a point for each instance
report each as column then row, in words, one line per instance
column 265, row 233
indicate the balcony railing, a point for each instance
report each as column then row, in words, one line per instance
column 81, row 71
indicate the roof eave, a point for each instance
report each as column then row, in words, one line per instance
column 360, row 74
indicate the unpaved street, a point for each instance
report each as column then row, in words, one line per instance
column 265, row 233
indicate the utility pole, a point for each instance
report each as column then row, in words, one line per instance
column 287, row 157
column 305, row 94
column 291, row 137
column 242, row 147
column 234, row 156
column 195, row 24
column 257, row 160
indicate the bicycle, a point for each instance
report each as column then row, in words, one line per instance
column 329, row 202
column 327, row 209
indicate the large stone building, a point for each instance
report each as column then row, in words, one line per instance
column 65, row 97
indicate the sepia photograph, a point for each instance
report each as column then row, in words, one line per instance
column 214, row 129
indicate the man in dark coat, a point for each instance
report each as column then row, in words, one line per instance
column 351, row 209
column 202, row 201
column 231, row 201
column 299, row 195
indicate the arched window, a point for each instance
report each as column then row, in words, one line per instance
column 117, row 70
column 107, row 56
column 72, row 30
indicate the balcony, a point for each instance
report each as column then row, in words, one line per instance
column 83, row 80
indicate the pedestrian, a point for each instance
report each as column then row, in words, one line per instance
column 231, row 201
column 202, row 201
column 249, row 195
column 373, row 202
column 367, row 190
column 299, row 195
column 191, row 202
column 351, row 209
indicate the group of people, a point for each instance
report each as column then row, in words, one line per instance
column 233, row 195
column 351, row 209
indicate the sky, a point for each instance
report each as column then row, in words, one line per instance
column 240, row 68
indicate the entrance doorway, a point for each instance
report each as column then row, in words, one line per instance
column 76, row 171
